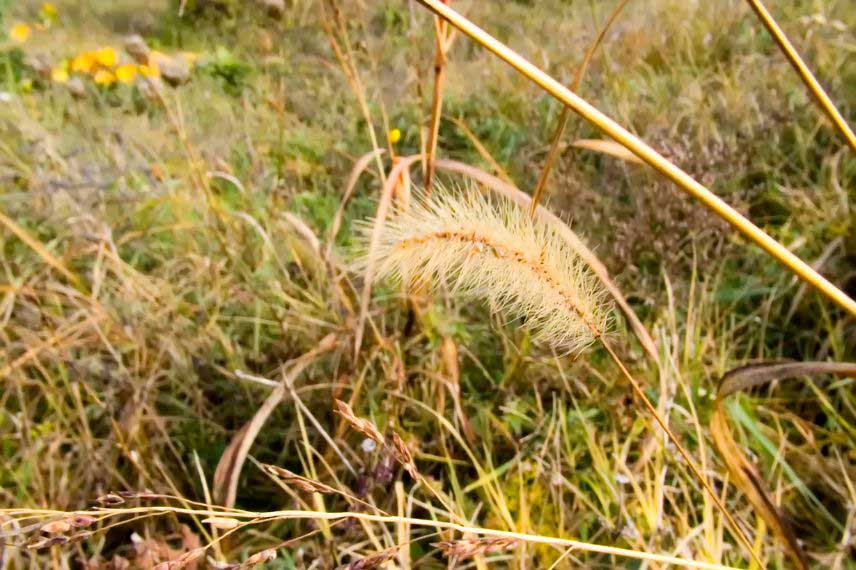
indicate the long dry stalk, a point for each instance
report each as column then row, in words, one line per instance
column 440, row 34
column 41, row 251
column 813, row 85
column 555, row 142
column 253, row 518
column 346, row 62
column 646, row 153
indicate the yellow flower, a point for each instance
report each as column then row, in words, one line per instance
column 104, row 78
column 20, row 32
column 126, row 73
column 190, row 57
column 394, row 136
column 106, row 56
column 59, row 75
column 150, row 70
column 83, row 63
column 48, row 12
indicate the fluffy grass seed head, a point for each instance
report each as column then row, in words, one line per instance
column 491, row 248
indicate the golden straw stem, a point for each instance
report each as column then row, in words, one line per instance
column 741, row 536
column 437, row 99
column 804, row 72
column 262, row 517
column 646, row 153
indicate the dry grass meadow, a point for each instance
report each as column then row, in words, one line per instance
column 274, row 294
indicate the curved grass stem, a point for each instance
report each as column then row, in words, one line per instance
column 566, row 111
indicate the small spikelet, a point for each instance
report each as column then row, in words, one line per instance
column 493, row 249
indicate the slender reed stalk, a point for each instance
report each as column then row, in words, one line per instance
column 523, row 267
column 346, row 61
column 646, row 153
column 565, row 114
column 804, row 72
column 252, row 518
column 440, row 27
column 42, row 251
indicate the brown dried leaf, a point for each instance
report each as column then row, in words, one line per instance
column 746, row 476
column 228, row 464
column 611, row 148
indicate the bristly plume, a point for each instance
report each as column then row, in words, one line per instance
column 493, row 249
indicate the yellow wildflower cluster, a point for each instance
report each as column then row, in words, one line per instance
column 48, row 12
column 103, row 65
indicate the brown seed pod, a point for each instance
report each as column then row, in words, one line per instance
column 469, row 547
column 293, row 479
column 402, row 454
column 373, row 561
column 260, row 558
column 364, row 426
column 109, row 500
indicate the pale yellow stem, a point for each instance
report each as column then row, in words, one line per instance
column 646, row 153
column 387, row 519
column 804, row 72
